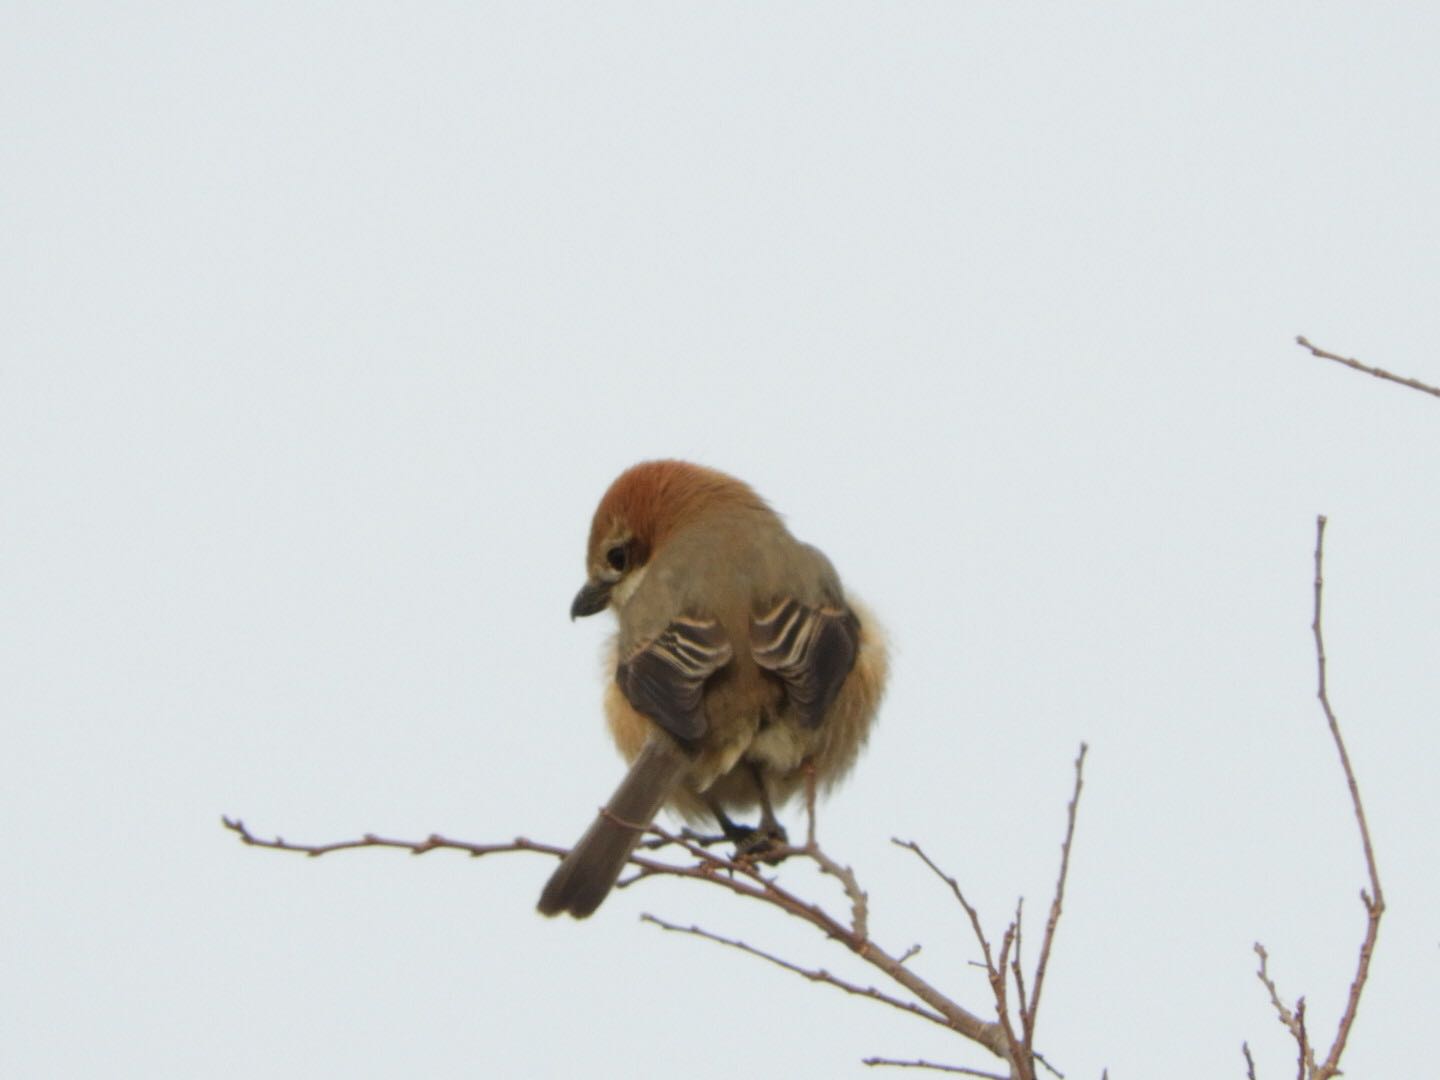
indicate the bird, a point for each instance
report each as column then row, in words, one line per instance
column 740, row 666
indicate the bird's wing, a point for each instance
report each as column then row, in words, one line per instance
column 811, row 649
column 665, row 677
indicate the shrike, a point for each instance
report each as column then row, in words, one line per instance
column 739, row 661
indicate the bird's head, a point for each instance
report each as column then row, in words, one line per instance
column 645, row 506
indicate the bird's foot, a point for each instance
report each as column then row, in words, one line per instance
column 768, row 844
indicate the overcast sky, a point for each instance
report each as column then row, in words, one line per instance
column 325, row 327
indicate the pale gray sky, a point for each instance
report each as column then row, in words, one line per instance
column 326, row 326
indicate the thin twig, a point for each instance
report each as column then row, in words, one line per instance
column 995, row 975
column 1021, row 1062
column 1374, row 901
column 1304, row 1057
column 415, row 847
column 1379, row 373
column 920, row 1063
column 1017, row 970
column 911, row 845
column 813, row 974
column 1249, row 1061
column 987, row 1033
column 1055, row 905
column 740, row 876
column 859, row 902
column 1022, row 1059
column 1287, row 1017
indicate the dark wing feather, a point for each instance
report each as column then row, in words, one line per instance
column 665, row 678
column 810, row 649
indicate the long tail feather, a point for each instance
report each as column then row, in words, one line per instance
column 585, row 877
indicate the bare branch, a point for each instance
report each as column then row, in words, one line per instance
column 911, row 845
column 738, row 875
column 813, row 974
column 1010, row 965
column 987, row 1033
column 1017, row 971
column 741, row 875
column 1379, row 373
column 1283, row 1011
column 859, row 902
column 1021, row 1062
column 1373, row 899
column 1249, row 1061
column 1304, row 1057
column 920, row 1063
column 415, row 847
column 995, row 974
column 1055, row 905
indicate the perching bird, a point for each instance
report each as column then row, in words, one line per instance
column 739, row 663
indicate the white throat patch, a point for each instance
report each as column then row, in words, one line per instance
column 625, row 589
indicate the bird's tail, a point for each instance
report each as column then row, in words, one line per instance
column 585, row 877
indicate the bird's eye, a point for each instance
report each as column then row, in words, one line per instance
column 616, row 557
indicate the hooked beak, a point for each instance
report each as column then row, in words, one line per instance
column 592, row 597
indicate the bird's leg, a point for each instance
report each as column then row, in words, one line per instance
column 767, row 842
column 735, row 834
column 769, row 825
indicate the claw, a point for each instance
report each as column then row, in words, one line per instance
column 768, row 844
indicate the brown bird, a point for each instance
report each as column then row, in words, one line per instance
column 739, row 663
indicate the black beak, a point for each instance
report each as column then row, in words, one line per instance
column 591, row 598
